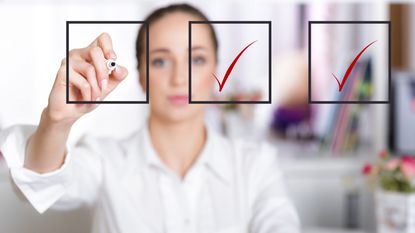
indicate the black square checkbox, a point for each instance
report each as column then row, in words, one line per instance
column 268, row 101
column 144, row 24
column 311, row 101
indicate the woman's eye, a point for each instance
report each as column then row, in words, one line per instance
column 159, row 62
column 199, row 60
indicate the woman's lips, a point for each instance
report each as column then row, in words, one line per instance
column 178, row 99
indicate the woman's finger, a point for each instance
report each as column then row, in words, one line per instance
column 81, row 84
column 88, row 72
column 101, row 71
column 104, row 42
column 117, row 75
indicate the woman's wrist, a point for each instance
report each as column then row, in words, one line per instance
column 53, row 120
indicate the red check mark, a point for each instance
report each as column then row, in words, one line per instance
column 230, row 68
column 351, row 66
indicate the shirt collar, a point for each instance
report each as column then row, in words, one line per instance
column 217, row 155
column 214, row 155
column 150, row 155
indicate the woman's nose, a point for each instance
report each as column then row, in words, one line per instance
column 180, row 74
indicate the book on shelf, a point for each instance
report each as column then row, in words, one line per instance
column 341, row 134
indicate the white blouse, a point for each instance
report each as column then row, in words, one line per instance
column 234, row 186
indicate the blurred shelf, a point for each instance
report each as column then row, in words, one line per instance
column 322, row 167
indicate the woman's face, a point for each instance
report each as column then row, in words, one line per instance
column 169, row 78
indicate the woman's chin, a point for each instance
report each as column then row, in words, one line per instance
column 182, row 113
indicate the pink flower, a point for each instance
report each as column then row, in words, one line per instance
column 383, row 154
column 408, row 166
column 367, row 169
column 392, row 164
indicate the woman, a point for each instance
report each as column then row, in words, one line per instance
column 174, row 175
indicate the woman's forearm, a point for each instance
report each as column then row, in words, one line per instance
column 46, row 148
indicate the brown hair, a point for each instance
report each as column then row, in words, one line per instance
column 160, row 13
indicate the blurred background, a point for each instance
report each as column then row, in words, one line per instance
column 322, row 147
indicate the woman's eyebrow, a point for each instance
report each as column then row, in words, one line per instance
column 160, row 50
column 165, row 50
column 198, row 47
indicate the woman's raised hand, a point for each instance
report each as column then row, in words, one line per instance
column 89, row 80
